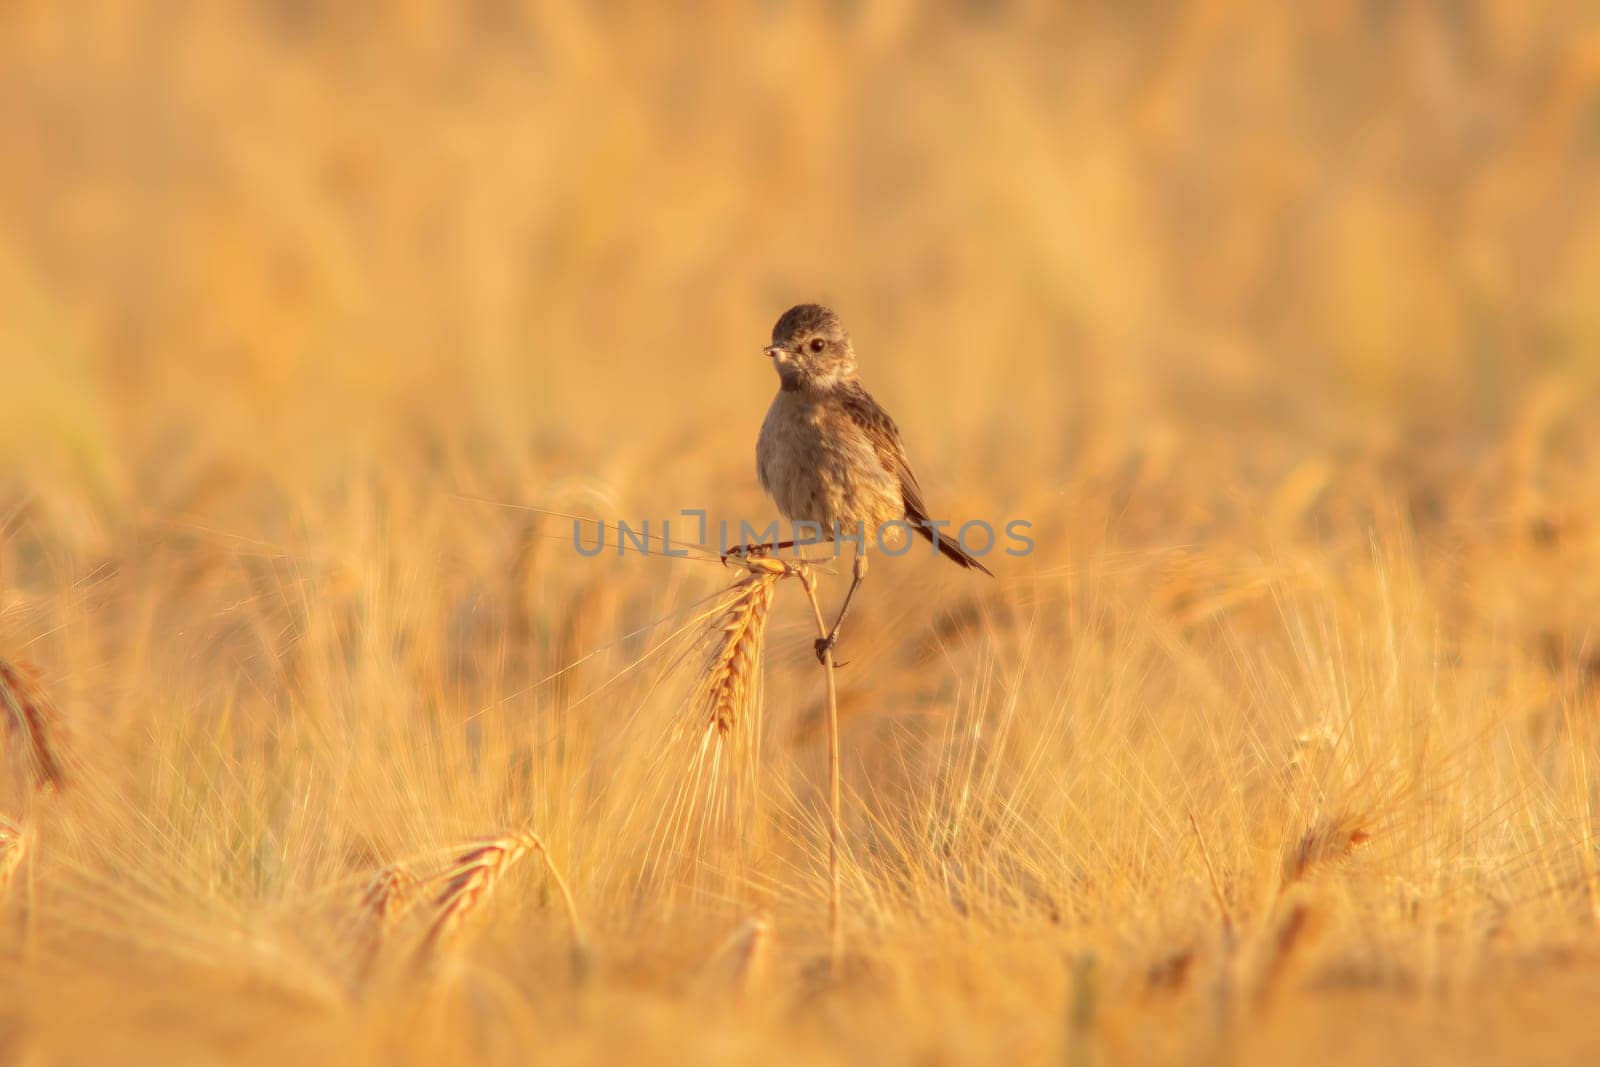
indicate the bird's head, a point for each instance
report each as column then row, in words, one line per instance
column 810, row 349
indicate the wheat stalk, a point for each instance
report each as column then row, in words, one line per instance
column 36, row 719
column 729, row 681
column 835, row 802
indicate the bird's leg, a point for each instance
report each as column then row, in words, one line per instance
column 859, row 572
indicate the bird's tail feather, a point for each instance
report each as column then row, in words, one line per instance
column 951, row 548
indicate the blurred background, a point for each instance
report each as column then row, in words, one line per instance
column 264, row 234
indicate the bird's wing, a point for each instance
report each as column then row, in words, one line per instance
column 880, row 429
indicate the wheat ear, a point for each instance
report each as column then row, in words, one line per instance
column 387, row 897
column 36, row 719
column 1327, row 841
column 737, row 965
column 469, row 882
column 472, row 878
column 740, row 630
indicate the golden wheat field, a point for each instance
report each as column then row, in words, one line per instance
column 1280, row 323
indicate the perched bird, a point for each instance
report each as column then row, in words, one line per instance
column 829, row 454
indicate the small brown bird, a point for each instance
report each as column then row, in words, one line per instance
column 829, row 454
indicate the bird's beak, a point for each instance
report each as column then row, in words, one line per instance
column 774, row 351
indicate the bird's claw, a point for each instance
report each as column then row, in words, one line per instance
column 824, row 645
column 744, row 552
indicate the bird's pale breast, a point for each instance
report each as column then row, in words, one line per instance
column 820, row 466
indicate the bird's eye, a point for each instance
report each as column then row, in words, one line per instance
column 818, row 344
